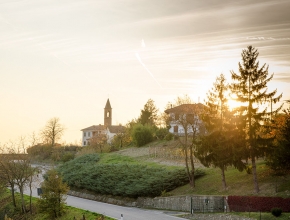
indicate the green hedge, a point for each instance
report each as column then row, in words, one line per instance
column 123, row 179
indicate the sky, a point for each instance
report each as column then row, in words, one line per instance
column 65, row 58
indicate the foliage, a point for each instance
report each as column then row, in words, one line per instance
column 149, row 115
column 255, row 203
column 221, row 145
column 98, row 142
column 121, row 140
column 161, row 133
column 250, row 87
column 276, row 211
column 52, row 200
column 16, row 173
column 121, row 178
column 279, row 159
column 142, row 134
column 42, row 152
column 52, row 131
column 188, row 116
column 169, row 137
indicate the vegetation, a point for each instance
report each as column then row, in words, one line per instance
column 52, row 131
column 126, row 179
column 149, row 115
column 15, row 213
column 250, row 87
column 52, row 199
column 279, row 159
column 45, row 152
column 142, row 134
column 276, row 211
column 17, row 174
column 187, row 115
column 223, row 142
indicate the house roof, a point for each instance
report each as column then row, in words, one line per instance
column 112, row 128
column 94, row 127
column 116, row 128
column 108, row 104
column 186, row 108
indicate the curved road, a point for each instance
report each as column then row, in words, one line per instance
column 113, row 211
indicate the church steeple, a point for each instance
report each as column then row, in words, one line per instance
column 108, row 114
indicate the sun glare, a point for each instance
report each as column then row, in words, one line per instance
column 232, row 103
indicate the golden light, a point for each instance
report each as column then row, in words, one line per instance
column 232, row 103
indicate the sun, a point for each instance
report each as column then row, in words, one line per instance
column 232, row 103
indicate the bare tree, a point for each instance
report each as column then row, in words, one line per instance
column 52, row 131
column 186, row 123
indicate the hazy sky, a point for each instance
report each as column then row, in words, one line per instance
column 65, row 58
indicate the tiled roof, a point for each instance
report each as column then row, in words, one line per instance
column 116, row 128
column 94, row 127
column 113, row 128
column 185, row 108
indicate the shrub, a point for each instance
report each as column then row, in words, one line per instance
column 249, row 169
column 161, row 133
column 276, row 211
column 142, row 134
column 257, row 203
column 121, row 179
column 169, row 137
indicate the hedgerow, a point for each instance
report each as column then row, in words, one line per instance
column 257, row 203
column 130, row 180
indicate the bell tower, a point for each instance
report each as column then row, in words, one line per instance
column 108, row 114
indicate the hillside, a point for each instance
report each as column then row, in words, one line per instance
column 239, row 183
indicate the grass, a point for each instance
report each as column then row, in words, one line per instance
column 115, row 158
column 239, row 183
column 231, row 215
column 70, row 213
column 263, row 215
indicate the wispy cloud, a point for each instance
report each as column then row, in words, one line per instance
column 145, row 67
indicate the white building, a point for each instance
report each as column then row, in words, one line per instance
column 185, row 116
column 107, row 129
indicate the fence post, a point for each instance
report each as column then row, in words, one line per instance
column 191, row 208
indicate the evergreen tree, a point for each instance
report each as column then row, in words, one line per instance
column 250, row 87
column 52, row 201
column 219, row 147
column 149, row 115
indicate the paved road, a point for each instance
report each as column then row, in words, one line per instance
column 114, row 211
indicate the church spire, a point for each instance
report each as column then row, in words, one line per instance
column 108, row 114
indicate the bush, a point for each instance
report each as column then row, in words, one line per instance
column 257, row 203
column 142, row 134
column 249, row 169
column 276, row 211
column 161, row 133
column 169, row 137
column 122, row 178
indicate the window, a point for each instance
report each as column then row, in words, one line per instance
column 89, row 134
column 85, row 143
column 108, row 114
column 84, row 133
column 175, row 129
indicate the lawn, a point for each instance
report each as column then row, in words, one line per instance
column 70, row 212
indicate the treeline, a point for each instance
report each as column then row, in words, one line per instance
column 220, row 135
column 47, row 152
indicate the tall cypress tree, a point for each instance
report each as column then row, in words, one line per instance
column 250, row 87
